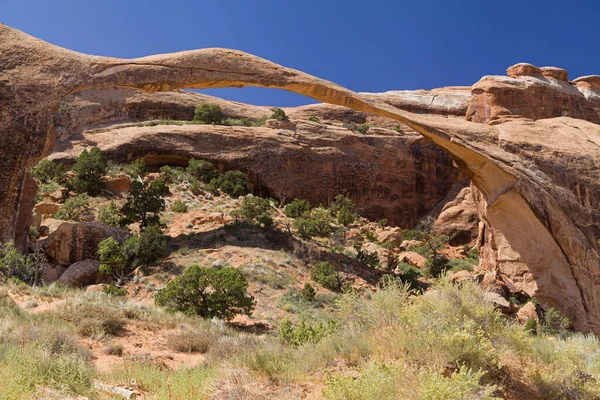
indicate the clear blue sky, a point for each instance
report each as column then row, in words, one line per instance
column 374, row 45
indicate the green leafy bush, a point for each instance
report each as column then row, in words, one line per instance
column 316, row 223
column 233, row 183
column 456, row 264
column 531, row 326
column 278, row 114
column 208, row 113
column 74, row 209
column 398, row 128
column 308, row 292
column 114, row 290
column 345, row 216
column 437, row 265
column 409, row 274
column 147, row 247
column 554, row 323
column 324, row 273
column 255, row 210
column 179, row 206
column 202, row 170
column 314, row 119
column 144, row 202
column 168, row 174
column 89, row 169
column 297, row 208
column 109, row 215
column 113, row 260
column 208, row 293
column 354, row 127
column 370, row 259
column 14, row 264
column 305, row 333
column 136, row 169
column 47, row 170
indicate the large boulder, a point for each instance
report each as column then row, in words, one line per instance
column 459, row 219
column 47, row 208
column 78, row 241
column 82, row 273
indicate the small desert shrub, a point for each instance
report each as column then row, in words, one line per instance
column 26, row 367
column 113, row 260
column 437, row 266
column 113, row 349
column 208, row 293
column 191, row 341
column 147, row 247
column 201, row 169
column 305, row 333
column 371, row 259
column 256, row 211
column 297, row 208
column 362, row 129
column 208, row 113
column 308, row 292
column 15, row 265
column 465, row 384
column 456, row 264
column 413, row 234
column 409, row 274
column 47, row 171
column 531, row 326
column 48, row 187
column 314, row 118
column 89, row 169
column 233, row 183
column 317, row 223
column 179, row 206
column 109, row 215
column 74, row 209
column 345, row 217
column 136, row 169
column 324, row 273
column 554, row 323
column 114, row 290
column 101, row 325
column 169, row 174
column 278, row 114
column 398, row 128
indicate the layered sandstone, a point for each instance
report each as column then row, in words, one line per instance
column 532, row 203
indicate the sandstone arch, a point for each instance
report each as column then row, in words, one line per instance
column 556, row 234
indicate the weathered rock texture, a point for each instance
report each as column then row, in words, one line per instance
column 77, row 241
column 399, row 177
column 536, row 195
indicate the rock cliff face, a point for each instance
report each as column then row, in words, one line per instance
column 535, row 195
column 389, row 175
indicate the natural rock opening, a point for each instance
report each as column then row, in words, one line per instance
column 554, row 233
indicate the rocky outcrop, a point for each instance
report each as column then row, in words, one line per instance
column 529, row 92
column 526, row 195
column 459, row 219
column 77, row 241
column 397, row 177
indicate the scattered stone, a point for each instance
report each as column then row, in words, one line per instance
column 60, row 195
column 47, row 208
column 498, row 301
column 412, row 258
column 527, row 312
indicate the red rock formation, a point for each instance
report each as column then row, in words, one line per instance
column 540, row 216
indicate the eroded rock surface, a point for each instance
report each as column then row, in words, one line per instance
column 530, row 196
